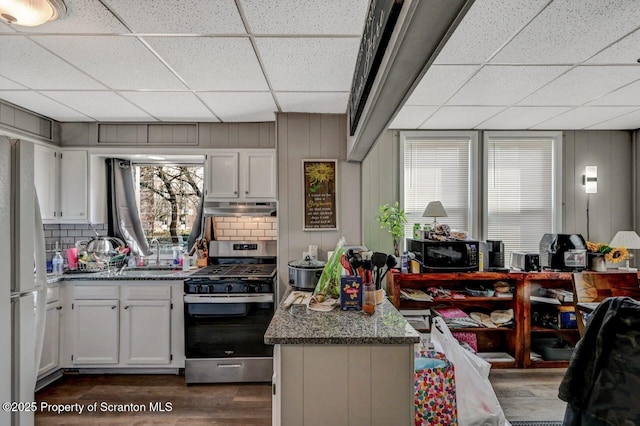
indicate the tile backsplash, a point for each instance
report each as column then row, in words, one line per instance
column 68, row 234
column 246, row 228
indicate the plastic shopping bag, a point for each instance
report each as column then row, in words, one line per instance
column 477, row 402
column 435, row 390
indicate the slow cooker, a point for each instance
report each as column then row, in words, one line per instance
column 305, row 273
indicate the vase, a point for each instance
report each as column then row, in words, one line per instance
column 597, row 262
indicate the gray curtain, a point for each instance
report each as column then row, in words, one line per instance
column 123, row 217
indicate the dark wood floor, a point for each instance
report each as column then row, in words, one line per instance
column 523, row 394
column 241, row 404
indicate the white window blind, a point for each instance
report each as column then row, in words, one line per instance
column 436, row 169
column 519, row 192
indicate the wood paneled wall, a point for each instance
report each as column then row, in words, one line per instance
column 611, row 209
column 380, row 185
column 318, row 136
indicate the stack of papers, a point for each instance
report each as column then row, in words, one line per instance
column 414, row 294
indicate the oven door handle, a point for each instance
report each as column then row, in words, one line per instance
column 258, row 298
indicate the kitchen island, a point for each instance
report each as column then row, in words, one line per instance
column 344, row 368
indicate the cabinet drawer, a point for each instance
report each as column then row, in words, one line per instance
column 147, row 292
column 53, row 294
column 95, row 292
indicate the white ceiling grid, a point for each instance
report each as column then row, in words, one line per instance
column 543, row 64
column 184, row 60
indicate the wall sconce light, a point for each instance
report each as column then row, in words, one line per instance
column 590, row 179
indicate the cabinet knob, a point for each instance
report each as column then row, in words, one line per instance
column 59, row 308
column 246, row 192
column 235, row 192
column 126, row 307
column 113, row 307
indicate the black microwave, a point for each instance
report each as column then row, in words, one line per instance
column 445, row 256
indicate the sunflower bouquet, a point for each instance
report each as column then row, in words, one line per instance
column 611, row 254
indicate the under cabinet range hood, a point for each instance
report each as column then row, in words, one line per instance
column 239, row 209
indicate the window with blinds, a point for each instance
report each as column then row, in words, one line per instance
column 437, row 169
column 520, row 204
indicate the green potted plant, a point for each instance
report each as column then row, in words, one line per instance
column 392, row 218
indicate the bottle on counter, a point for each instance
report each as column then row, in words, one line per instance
column 404, row 265
column 58, row 262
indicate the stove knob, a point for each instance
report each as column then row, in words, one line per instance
column 204, row 288
column 229, row 288
column 253, row 288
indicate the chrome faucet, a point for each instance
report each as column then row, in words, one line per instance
column 155, row 240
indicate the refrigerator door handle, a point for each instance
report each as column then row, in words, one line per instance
column 40, row 282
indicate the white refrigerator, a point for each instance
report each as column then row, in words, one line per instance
column 22, row 280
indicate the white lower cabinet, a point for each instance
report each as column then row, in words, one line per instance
column 50, row 358
column 95, row 331
column 131, row 324
column 146, row 332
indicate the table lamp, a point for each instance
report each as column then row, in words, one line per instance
column 629, row 240
column 435, row 210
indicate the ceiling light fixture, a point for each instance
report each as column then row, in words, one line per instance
column 31, row 13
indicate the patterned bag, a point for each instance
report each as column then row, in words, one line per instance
column 467, row 337
column 435, row 390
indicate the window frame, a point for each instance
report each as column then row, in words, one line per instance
column 556, row 137
column 473, row 185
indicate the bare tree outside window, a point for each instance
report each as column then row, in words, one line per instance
column 168, row 200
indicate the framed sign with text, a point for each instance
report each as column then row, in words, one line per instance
column 320, row 212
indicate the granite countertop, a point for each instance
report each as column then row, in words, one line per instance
column 302, row 326
column 136, row 275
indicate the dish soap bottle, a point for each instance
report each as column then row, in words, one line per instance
column 57, row 261
column 416, row 231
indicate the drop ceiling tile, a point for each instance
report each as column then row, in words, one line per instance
column 6, row 84
column 212, row 63
column 459, row 117
column 171, row 106
column 241, row 106
column 570, row 31
column 623, row 52
column 42, row 105
column 109, row 59
column 504, row 85
column 411, row 117
column 179, row 16
column 32, row 66
column 582, row 84
column 305, row 16
column 624, row 122
column 521, row 117
column 583, row 117
column 309, row 64
column 439, row 83
column 313, row 102
column 83, row 16
column 483, row 30
column 102, row 106
column 627, row 95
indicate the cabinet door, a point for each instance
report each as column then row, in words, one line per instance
column 74, row 178
column 49, row 359
column 45, row 175
column 96, row 334
column 259, row 172
column 222, row 175
column 146, row 332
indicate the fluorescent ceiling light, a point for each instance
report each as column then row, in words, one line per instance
column 155, row 157
column 31, row 13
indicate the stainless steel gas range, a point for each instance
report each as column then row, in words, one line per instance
column 228, row 307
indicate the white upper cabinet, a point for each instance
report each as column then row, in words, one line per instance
column 260, row 172
column 222, row 175
column 248, row 175
column 45, row 174
column 74, row 184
